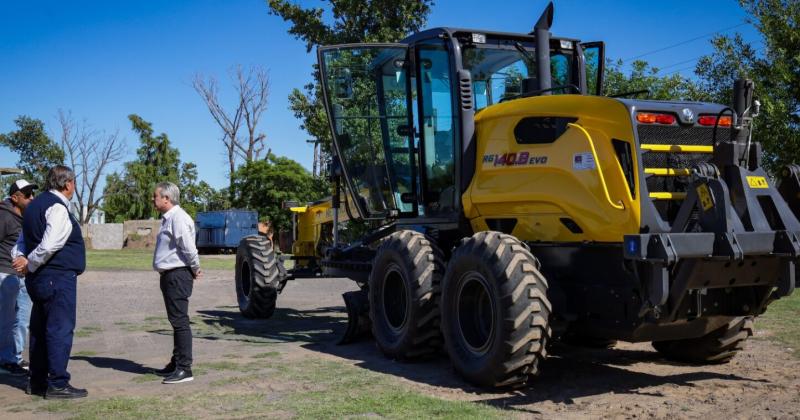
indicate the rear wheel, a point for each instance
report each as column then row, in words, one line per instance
column 404, row 289
column 258, row 278
column 718, row 346
column 495, row 311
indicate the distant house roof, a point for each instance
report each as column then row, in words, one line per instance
column 9, row 171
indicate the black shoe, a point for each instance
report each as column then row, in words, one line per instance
column 66, row 393
column 36, row 390
column 14, row 369
column 179, row 376
column 167, row 371
column 25, row 365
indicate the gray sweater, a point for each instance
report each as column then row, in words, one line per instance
column 10, row 227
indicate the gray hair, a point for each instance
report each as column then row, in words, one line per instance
column 169, row 190
column 57, row 178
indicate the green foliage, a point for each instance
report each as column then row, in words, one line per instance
column 353, row 21
column 37, row 152
column 642, row 76
column 776, row 74
column 265, row 184
column 129, row 194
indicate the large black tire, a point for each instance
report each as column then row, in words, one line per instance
column 495, row 311
column 404, row 288
column 258, row 278
column 718, row 346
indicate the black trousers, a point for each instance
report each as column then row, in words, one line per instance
column 52, row 326
column 176, row 287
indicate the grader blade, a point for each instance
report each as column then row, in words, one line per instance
column 358, row 322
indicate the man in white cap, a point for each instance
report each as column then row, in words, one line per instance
column 15, row 304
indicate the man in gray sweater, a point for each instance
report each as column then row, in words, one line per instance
column 15, row 305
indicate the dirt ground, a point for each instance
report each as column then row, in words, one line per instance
column 122, row 331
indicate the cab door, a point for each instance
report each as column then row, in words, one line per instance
column 367, row 96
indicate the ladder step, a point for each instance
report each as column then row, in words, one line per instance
column 667, row 195
column 668, row 171
column 678, row 148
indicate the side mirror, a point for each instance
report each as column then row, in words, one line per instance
column 343, row 84
column 594, row 57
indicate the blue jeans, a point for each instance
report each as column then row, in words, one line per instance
column 15, row 316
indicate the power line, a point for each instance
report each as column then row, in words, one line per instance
column 661, row 69
column 685, row 42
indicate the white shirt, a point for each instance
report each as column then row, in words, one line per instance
column 56, row 233
column 175, row 246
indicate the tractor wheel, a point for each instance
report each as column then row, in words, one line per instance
column 404, row 289
column 716, row 347
column 258, row 277
column 495, row 311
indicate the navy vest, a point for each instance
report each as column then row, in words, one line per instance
column 70, row 258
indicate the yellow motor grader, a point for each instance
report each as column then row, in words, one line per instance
column 511, row 204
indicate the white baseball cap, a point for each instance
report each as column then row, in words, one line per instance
column 22, row 185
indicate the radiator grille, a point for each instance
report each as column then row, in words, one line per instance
column 674, row 135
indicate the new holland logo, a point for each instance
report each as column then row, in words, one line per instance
column 514, row 159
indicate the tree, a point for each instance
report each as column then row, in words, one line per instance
column 89, row 153
column 353, row 21
column 252, row 91
column 776, row 74
column 195, row 196
column 644, row 77
column 264, row 185
column 129, row 195
column 37, row 152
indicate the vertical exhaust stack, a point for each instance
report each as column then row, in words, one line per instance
column 542, row 32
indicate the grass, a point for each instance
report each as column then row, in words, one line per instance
column 142, row 260
column 318, row 389
column 84, row 332
column 781, row 319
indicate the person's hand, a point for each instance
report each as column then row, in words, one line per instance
column 197, row 274
column 20, row 265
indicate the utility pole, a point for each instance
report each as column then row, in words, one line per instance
column 317, row 164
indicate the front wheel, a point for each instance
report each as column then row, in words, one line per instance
column 258, row 277
column 495, row 311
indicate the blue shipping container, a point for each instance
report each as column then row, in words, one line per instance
column 224, row 229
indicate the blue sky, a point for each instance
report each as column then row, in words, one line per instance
column 103, row 60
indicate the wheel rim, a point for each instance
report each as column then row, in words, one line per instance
column 245, row 278
column 475, row 313
column 395, row 299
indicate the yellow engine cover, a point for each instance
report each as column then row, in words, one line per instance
column 577, row 177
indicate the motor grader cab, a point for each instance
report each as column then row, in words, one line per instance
column 512, row 204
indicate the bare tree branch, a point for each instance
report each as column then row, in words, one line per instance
column 89, row 152
column 252, row 91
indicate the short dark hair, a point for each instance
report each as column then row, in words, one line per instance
column 57, row 178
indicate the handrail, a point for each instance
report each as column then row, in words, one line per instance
column 668, row 171
column 678, row 148
column 666, row 195
column 618, row 205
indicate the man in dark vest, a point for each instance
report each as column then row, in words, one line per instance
column 55, row 256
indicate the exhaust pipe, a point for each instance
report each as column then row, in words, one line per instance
column 542, row 32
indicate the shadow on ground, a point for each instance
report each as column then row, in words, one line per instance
column 569, row 373
column 122, row 365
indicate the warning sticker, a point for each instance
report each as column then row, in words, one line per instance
column 757, row 182
column 705, row 197
column 583, row 161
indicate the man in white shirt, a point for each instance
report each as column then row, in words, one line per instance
column 177, row 261
column 50, row 253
